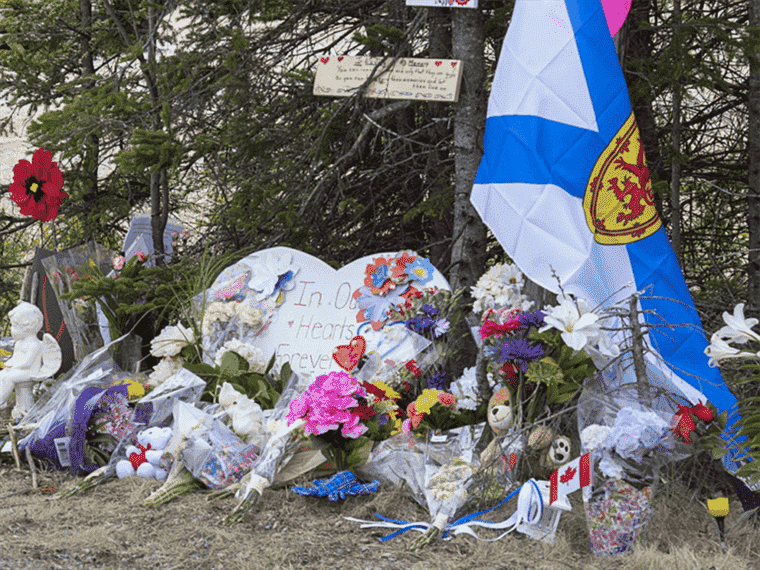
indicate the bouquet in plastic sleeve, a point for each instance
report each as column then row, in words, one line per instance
column 59, row 420
column 277, row 447
column 65, row 268
column 243, row 300
column 212, row 453
column 629, row 442
column 438, row 471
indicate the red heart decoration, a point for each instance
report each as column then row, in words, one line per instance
column 347, row 356
column 437, row 63
column 453, row 64
column 340, row 58
column 137, row 459
column 324, row 59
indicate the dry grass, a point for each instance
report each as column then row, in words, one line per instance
column 108, row 527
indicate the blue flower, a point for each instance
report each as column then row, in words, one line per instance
column 532, row 319
column 430, row 310
column 379, row 276
column 522, row 352
column 382, row 419
column 437, row 381
column 420, row 270
column 420, row 325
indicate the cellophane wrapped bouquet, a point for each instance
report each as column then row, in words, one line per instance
column 629, row 441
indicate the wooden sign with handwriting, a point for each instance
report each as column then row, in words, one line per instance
column 409, row 78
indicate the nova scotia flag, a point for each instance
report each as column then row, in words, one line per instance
column 565, row 188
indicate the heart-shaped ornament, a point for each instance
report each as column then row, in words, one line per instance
column 438, row 63
column 324, row 59
column 347, row 356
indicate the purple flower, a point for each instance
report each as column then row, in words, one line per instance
column 522, row 352
column 532, row 319
column 437, row 381
column 420, row 324
column 430, row 310
column 382, row 419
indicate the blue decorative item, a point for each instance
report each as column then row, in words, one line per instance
column 339, row 486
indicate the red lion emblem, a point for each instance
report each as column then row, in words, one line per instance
column 640, row 195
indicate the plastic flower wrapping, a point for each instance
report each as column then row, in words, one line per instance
column 243, row 301
column 438, row 468
column 276, row 440
column 63, row 269
column 214, row 454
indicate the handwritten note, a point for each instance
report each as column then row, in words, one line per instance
column 409, row 78
column 444, row 3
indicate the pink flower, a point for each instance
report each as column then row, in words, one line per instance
column 446, row 399
column 406, row 427
column 298, row 408
column 352, row 428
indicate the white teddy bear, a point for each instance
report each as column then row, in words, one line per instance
column 145, row 461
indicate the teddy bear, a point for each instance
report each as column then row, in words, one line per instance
column 500, row 418
column 553, row 450
column 148, row 459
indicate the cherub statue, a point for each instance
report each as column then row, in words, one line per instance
column 33, row 360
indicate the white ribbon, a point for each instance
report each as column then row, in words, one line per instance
column 530, row 508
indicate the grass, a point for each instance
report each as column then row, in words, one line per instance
column 109, row 527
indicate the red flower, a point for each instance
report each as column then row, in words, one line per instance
column 447, row 399
column 683, row 425
column 363, row 412
column 702, row 412
column 399, row 270
column 38, row 186
column 412, row 367
column 378, row 393
column 492, row 328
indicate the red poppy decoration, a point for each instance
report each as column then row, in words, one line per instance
column 38, row 186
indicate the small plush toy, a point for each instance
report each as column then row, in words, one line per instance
column 500, row 419
column 148, row 460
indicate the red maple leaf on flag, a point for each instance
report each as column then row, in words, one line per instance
column 567, row 475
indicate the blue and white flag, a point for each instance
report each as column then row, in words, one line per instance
column 565, row 188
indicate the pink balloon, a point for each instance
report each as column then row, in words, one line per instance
column 615, row 11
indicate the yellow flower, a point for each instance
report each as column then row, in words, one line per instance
column 389, row 392
column 397, row 423
column 134, row 390
column 426, row 400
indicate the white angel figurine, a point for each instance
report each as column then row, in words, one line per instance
column 33, row 360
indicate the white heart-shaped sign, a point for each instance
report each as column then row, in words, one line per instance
column 318, row 310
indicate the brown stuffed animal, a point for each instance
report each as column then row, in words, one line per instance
column 500, row 418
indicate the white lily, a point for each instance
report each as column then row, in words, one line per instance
column 738, row 329
column 719, row 350
column 578, row 328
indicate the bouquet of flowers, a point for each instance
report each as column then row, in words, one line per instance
column 738, row 330
column 277, row 447
column 629, row 442
column 243, row 301
column 438, row 470
column 65, row 270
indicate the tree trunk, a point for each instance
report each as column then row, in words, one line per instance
column 92, row 141
column 468, row 254
column 636, row 46
column 675, row 130
column 753, row 178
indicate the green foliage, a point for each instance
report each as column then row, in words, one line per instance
column 264, row 388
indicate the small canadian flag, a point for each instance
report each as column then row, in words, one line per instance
column 570, row 477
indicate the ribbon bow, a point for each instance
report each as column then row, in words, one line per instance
column 683, row 422
column 339, row 486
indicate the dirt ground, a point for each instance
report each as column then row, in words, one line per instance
column 109, row 527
